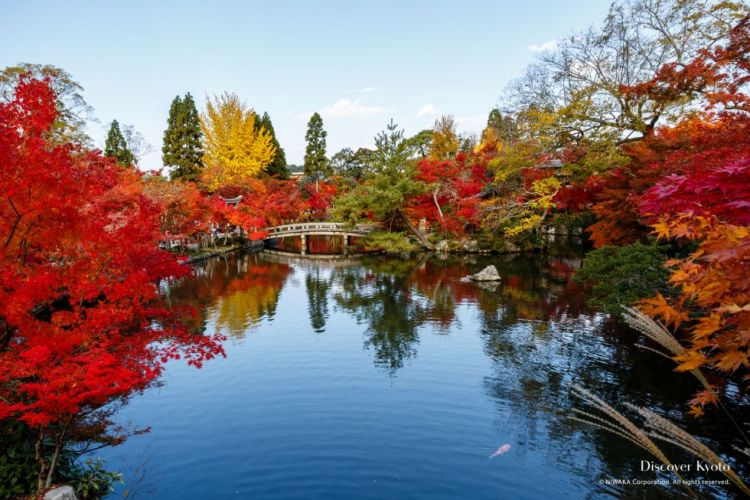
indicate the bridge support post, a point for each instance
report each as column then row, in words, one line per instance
column 303, row 244
column 345, row 244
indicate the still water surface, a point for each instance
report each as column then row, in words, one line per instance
column 385, row 378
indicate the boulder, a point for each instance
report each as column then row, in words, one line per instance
column 442, row 246
column 489, row 273
column 470, row 246
column 511, row 247
column 61, row 493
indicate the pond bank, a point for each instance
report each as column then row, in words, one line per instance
column 247, row 246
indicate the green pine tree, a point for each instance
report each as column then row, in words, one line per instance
column 504, row 126
column 116, row 147
column 182, row 149
column 389, row 185
column 495, row 120
column 277, row 167
column 316, row 163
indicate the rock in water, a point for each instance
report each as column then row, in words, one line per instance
column 60, row 493
column 489, row 273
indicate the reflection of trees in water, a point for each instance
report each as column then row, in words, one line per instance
column 543, row 340
column 317, row 299
column 534, row 325
column 379, row 295
column 394, row 297
column 238, row 290
column 324, row 244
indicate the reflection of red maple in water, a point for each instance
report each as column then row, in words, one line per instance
column 324, row 244
column 513, row 280
column 561, row 270
column 529, row 299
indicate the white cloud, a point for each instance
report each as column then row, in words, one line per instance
column 363, row 90
column 544, row 47
column 427, row 110
column 346, row 108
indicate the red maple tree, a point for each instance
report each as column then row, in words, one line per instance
column 716, row 136
column 80, row 323
column 706, row 200
column 452, row 199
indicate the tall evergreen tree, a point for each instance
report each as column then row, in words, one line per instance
column 277, row 167
column 183, row 149
column 116, row 147
column 316, row 163
column 495, row 120
column 504, row 127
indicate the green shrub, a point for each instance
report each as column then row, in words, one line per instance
column 18, row 465
column 92, row 480
column 392, row 243
column 19, row 468
column 624, row 275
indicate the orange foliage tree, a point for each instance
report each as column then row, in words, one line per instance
column 706, row 200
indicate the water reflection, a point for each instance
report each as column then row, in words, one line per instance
column 379, row 295
column 236, row 292
column 534, row 330
column 317, row 288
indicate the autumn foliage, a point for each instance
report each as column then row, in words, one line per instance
column 705, row 199
column 270, row 202
column 451, row 200
column 79, row 266
column 235, row 150
column 80, row 324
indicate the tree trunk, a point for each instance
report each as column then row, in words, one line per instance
column 426, row 244
column 40, row 460
column 437, row 205
column 53, row 464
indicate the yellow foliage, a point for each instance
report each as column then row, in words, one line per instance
column 490, row 140
column 544, row 191
column 527, row 223
column 518, row 217
column 234, row 151
column 444, row 139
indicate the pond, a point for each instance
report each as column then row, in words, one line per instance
column 388, row 378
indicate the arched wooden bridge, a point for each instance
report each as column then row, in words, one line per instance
column 305, row 229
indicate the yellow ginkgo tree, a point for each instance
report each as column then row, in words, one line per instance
column 235, row 150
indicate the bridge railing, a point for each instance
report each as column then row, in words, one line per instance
column 305, row 227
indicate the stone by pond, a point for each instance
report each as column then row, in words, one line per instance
column 489, row 273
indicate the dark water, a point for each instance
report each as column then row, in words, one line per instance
column 384, row 378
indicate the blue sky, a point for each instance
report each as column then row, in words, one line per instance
column 358, row 63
